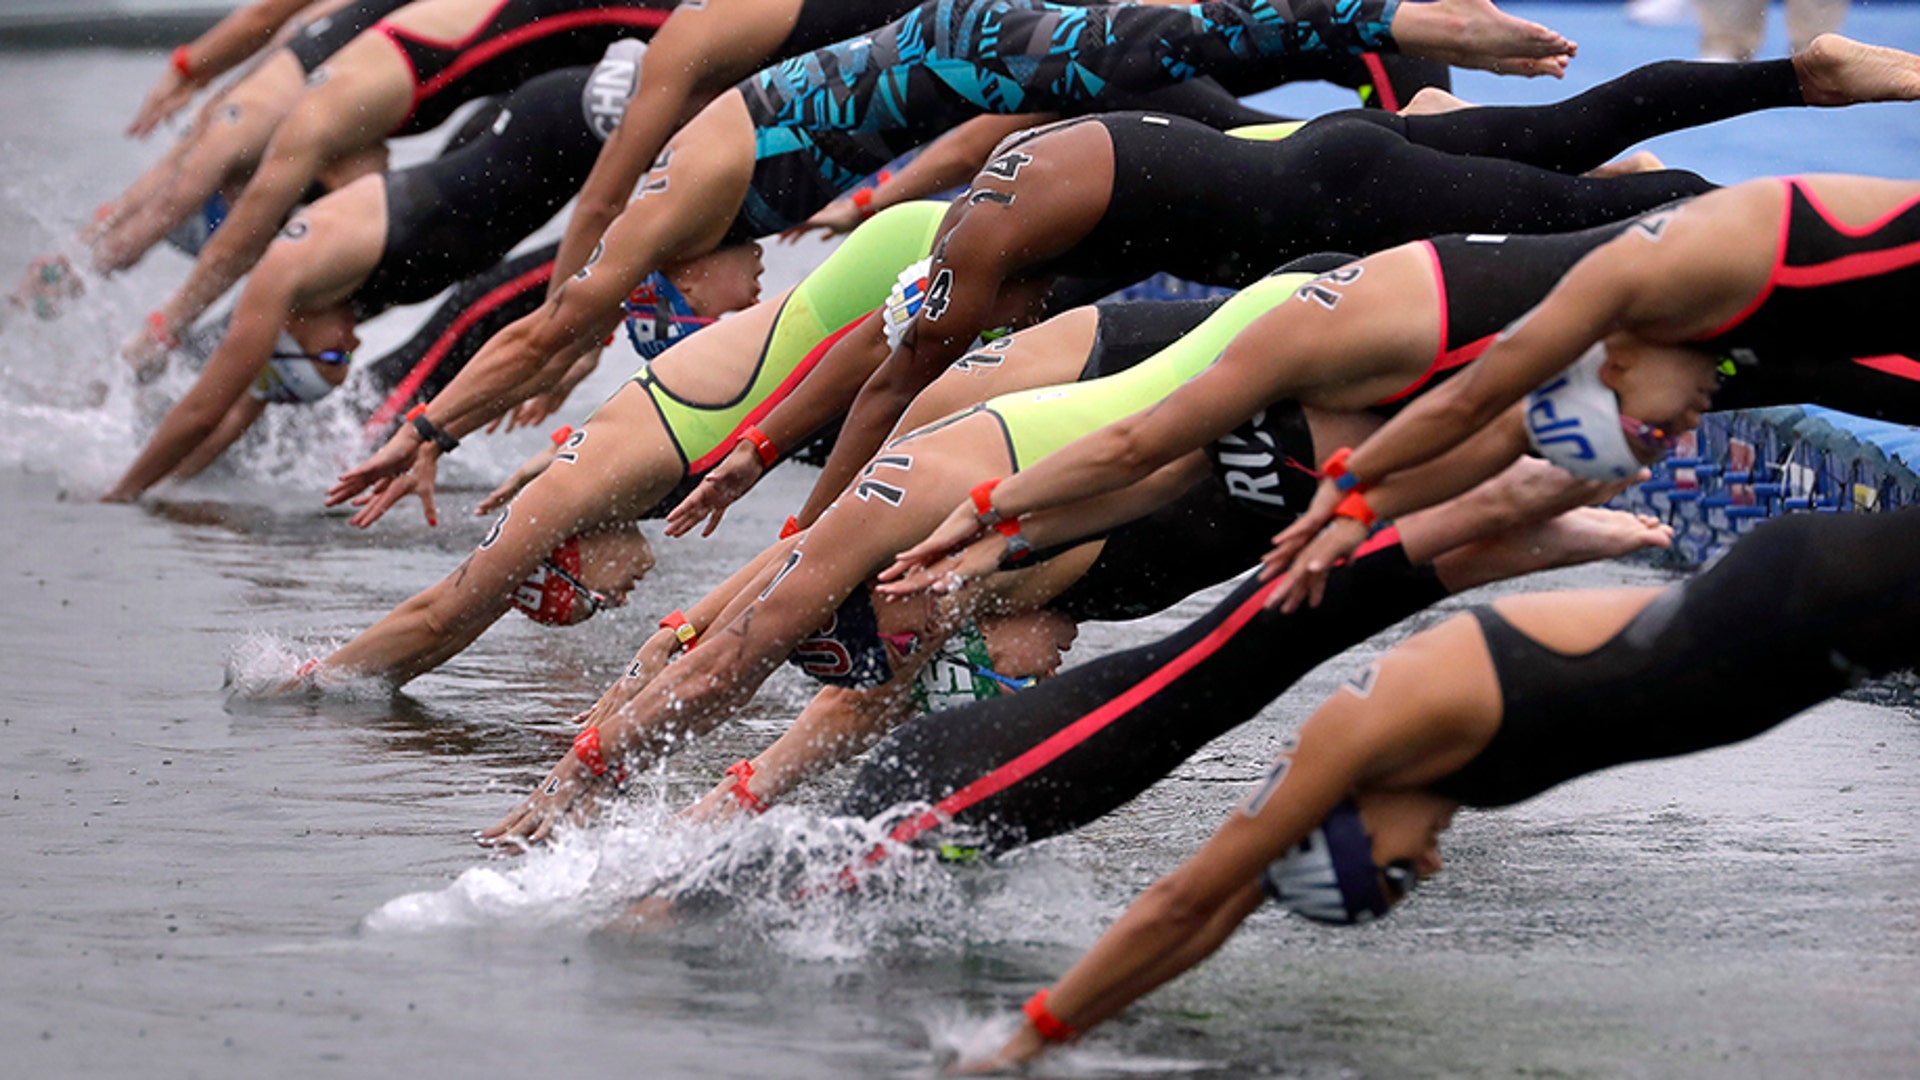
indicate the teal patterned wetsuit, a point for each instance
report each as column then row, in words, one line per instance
column 827, row 119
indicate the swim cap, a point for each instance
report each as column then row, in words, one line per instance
column 903, row 302
column 961, row 673
column 554, row 594
column 1574, row 422
column 658, row 315
column 292, row 375
column 1330, row 876
column 603, row 100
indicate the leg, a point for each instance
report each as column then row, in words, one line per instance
column 1586, row 130
column 1731, row 29
column 1808, row 19
column 1368, row 170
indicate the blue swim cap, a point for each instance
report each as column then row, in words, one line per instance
column 1330, row 876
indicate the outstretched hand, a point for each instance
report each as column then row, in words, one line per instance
column 723, row 486
column 1319, row 551
column 402, row 467
column 951, row 574
column 1286, row 557
column 837, row 217
column 567, row 794
column 961, row 527
column 167, row 97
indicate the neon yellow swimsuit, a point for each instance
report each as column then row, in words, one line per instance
column 850, row 283
column 1039, row 422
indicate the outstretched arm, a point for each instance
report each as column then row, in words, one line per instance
column 206, row 58
column 231, row 369
column 701, row 51
column 947, row 162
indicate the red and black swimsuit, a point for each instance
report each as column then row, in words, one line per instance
column 517, row 40
column 1836, row 291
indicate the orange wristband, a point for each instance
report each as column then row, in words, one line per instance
column 586, row 747
column 863, row 202
column 157, row 326
column 561, row 434
column 676, row 621
column 769, row 453
column 182, row 63
column 742, row 771
column 791, row 528
column 1050, row 1027
column 1355, row 506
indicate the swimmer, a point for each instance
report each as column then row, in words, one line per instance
column 1786, row 281
column 1368, row 336
column 405, row 75
column 807, row 580
column 684, row 409
column 1495, row 706
column 387, row 240
column 819, row 136
column 1115, row 198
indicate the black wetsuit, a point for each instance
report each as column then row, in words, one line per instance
column 1075, row 747
column 1796, row 613
column 1222, row 210
column 472, row 314
column 458, row 214
column 1834, row 294
column 319, row 39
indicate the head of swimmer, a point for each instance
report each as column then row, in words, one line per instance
column 1663, row 389
column 1030, row 645
column 1364, row 858
column 610, row 564
column 327, row 338
column 723, row 280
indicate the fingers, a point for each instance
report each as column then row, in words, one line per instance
column 426, row 500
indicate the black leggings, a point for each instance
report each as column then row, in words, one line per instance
column 1047, row 760
column 1204, row 206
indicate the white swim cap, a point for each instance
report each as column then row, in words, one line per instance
column 292, row 375
column 603, row 100
column 1574, row 422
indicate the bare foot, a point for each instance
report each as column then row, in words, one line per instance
column 1475, row 34
column 1579, row 535
column 1642, row 161
column 1431, row 101
column 1835, row 70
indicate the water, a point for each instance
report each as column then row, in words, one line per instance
column 289, row 891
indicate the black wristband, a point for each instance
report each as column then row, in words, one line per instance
column 447, row 443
